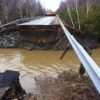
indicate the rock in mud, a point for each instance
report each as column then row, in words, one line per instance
column 10, row 40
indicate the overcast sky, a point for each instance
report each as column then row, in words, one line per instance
column 51, row 4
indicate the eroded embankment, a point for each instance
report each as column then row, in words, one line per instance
column 14, row 38
column 67, row 86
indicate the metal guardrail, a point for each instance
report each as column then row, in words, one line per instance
column 91, row 67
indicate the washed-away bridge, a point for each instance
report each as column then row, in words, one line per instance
column 90, row 66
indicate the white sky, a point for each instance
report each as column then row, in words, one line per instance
column 51, row 4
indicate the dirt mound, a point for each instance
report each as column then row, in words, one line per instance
column 76, row 87
column 67, row 86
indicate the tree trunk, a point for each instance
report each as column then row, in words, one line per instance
column 76, row 6
column 68, row 10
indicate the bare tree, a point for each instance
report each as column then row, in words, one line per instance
column 32, row 9
column 6, row 8
column 89, row 4
column 20, row 7
column 70, row 16
column 13, row 9
column 65, row 5
column 27, row 8
column 77, row 12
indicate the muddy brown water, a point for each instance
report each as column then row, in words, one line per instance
column 37, row 62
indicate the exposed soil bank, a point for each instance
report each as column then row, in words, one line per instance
column 90, row 40
column 16, row 39
column 67, row 86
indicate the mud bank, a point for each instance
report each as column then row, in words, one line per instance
column 67, row 86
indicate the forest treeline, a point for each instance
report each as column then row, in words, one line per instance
column 16, row 9
column 82, row 14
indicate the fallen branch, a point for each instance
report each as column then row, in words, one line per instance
column 65, row 51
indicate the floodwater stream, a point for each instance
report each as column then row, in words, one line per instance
column 33, row 63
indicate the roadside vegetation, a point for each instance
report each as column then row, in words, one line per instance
column 82, row 14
